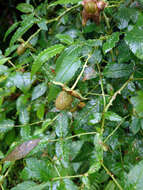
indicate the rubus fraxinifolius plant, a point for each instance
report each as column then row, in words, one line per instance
column 71, row 98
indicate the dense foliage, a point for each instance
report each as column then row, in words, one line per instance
column 71, row 96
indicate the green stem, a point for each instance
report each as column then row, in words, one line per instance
column 112, row 176
column 69, row 177
column 117, row 92
column 115, row 129
column 78, row 78
column 106, row 20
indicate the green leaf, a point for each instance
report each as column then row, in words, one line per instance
column 43, row 24
column 137, row 102
column 98, row 147
column 10, row 49
column 86, row 182
column 22, row 81
column 24, row 116
column 68, row 185
column 1, row 155
column 45, row 56
column 67, row 69
column 66, row 66
column 53, row 92
column 4, row 60
column 40, row 111
column 134, row 40
column 22, row 109
column 112, row 116
column 40, row 187
column 93, row 42
column 135, row 176
column 97, row 154
column 124, row 53
column 25, row 8
column 3, row 70
column 25, row 26
column 84, row 153
column 11, row 29
column 117, row 70
column 110, row 186
column 61, row 126
column 75, row 148
column 25, row 131
column 6, row 125
column 24, row 185
column 124, row 15
column 135, row 125
column 39, row 170
column 111, row 42
column 62, row 152
column 141, row 122
column 94, row 118
column 65, row 38
column 39, row 90
column 21, row 102
column 22, row 150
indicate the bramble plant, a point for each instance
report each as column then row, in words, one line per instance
column 71, row 96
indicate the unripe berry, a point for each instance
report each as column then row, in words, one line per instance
column 63, row 101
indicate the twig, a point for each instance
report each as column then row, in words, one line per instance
column 80, row 134
column 96, row 94
column 112, row 176
column 11, row 63
column 78, row 78
column 1, row 186
column 106, row 20
column 71, row 137
column 38, row 122
column 32, row 36
column 101, row 84
column 5, row 175
column 69, row 177
column 117, row 92
column 111, row 101
column 115, row 129
column 104, row 100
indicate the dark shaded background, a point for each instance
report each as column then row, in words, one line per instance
column 9, row 15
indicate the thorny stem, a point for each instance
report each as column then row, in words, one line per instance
column 69, row 177
column 65, row 139
column 111, row 101
column 96, row 94
column 71, row 137
column 103, row 94
column 78, row 78
column 115, row 129
column 38, row 122
column 101, row 84
column 112, row 176
column 117, row 92
column 80, row 134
